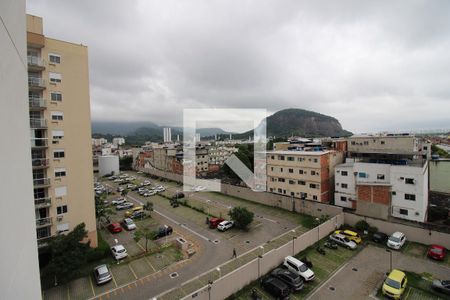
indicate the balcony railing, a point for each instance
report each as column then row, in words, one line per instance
column 34, row 61
column 36, row 82
column 43, row 202
column 37, row 102
column 38, row 123
column 41, row 182
column 44, row 222
column 39, row 142
column 40, row 162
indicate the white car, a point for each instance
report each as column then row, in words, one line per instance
column 159, row 188
column 119, row 252
column 225, row 225
column 125, row 205
column 298, row 267
column 118, row 201
column 149, row 193
column 131, row 186
column 146, row 182
column 129, row 224
column 396, row 240
column 343, row 241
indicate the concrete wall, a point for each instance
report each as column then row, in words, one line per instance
column 108, row 164
column 19, row 270
column 439, row 175
column 239, row 278
column 415, row 234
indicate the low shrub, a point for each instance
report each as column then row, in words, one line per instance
column 362, row 226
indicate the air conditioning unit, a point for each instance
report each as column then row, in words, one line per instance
column 59, row 218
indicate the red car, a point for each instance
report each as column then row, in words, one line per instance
column 213, row 222
column 115, row 227
column 437, row 252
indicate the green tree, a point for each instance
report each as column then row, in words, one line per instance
column 241, row 216
column 68, row 254
column 124, row 192
column 148, row 206
column 126, row 163
column 102, row 212
column 145, row 233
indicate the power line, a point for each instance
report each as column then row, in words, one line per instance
column 14, row 44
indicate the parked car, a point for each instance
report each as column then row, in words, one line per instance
column 163, row 231
column 442, row 286
column 149, row 193
column 119, row 252
column 395, row 284
column 146, row 182
column 102, row 274
column 294, row 281
column 131, row 186
column 129, row 224
column 159, row 188
column 276, row 287
column 298, row 267
column 225, row 225
column 114, row 228
column 128, row 213
column 118, row 201
column 178, row 195
column 351, row 235
column 138, row 214
column 214, row 222
column 396, row 240
column 379, row 237
column 120, row 189
column 437, row 252
column 125, row 205
column 343, row 241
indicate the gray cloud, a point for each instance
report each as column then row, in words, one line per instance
column 374, row 65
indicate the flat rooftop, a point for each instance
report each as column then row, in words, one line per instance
column 311, row 153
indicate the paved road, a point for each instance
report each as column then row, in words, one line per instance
column 371, row 264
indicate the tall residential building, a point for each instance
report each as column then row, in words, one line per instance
column 302, row 174
column 19, row 268
column 167, row 135
column 59, row 111
column 119, row 141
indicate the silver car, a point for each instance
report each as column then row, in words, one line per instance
column 102, row 274
column 343, row 241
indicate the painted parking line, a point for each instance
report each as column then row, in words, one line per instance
column 132, row 271
column 92, row 286
column 114, row 280
column 149, row 263
column 68, row 292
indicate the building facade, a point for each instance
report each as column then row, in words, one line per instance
column 19, row 267
column 302, row 174
column 59, row 109
column 167, row 134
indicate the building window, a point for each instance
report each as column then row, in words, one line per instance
column 382, row 142
column 300, row 158
column 353, row 143
column 403, row 211
column 301, row 182
column 55, row 77
column 291, row 170
column 344, row 173
column 57, row 115
column 280, row 190
column 58, row 153
column 316, row 160
column 394, row 193
column 344, row 185
column 312, row 185
column 411, row 197
column 362, row 175
column 366, row 143
column 280, row 157
column 344, row 199
column 300, row 171
column 56, row 96
column 314, row 197
column 313, row 172
column 272, row 157
column 60, row 172
column 281, row 169
column 54, row 58
column 290, row 158
column 291, row 181
column 271, row 189
column 380, row 176
column 409, row 180
column 61, row 209
column 292, row 194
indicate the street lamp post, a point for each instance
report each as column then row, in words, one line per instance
column 220, row 272
column 390, row 260
column 259, row 265
column 293, row 242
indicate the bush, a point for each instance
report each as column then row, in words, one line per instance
column 362, row 225
column 241, row 216
column 100, row 252
column 372, row 230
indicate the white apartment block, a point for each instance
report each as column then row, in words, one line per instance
column 99, row 142
column 118, row 141
column 167, row 133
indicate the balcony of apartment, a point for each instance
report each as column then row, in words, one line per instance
column 37, row 103
column 40, row 163
column 38, row 123
column 41, row 182
column 39, row 143
column 36, row 83
column 42, row 202
column 35, row 63
column 43, row 222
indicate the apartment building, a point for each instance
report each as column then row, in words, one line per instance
column 19, row 267
column 219, row 154
column 302, row 174
column 59, row 109
column 118, row 141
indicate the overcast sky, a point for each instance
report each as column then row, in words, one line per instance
column 373, row 65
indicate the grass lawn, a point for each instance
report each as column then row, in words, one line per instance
column 323, row 267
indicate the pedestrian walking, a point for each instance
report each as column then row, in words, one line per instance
column 234, row 253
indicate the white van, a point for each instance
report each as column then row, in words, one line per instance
column 298, row 267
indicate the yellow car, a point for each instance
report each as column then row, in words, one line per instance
column 395, row 284
column 351, row 235
column 129, row 213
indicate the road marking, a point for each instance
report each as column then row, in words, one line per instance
column 132, row 271
column 409, row 290
column 149, row 263
column 68, row 293
column 114, row 280
column 92, row 286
